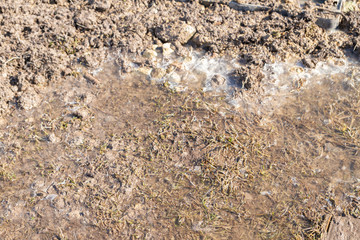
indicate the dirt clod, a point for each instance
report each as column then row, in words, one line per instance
column 85, row 20
column 175, row 31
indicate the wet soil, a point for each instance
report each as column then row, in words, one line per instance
column 130, row 159
column 91, row 149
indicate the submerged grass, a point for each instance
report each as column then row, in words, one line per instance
column 190, row 171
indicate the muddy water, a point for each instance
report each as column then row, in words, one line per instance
column 165, row 162
column 324, row 100
column 307, row 122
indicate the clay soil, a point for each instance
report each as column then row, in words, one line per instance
column 114, row 156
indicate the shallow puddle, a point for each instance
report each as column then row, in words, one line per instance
column 325, row 97
column 310, row 118
column 195, row 154
column 322, row 101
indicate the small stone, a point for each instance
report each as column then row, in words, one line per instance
column 247, row 7
column 110, row 155
column 102, row 5
column 174, row 77
column 187, row 32
column 218, row 80
column 327, row 121
column 167, row 50
column 215, row 19
column 78, row 138
column 180, row 50
column 176, row 65
column 149, row 54
column 207, row 3
column 145, row 70
column 85, row 20
column 265, row 193
column 52, row 138
column 180, row 89
column 158, row 73
column 201, row 40
column 175, row 31
column 197, row 169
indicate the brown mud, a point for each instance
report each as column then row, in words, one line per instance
column 91, row 149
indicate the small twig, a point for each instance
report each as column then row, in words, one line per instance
column 188, row 178
column 11, row 59
column 80, row 25
column 91, row 79
column 208, row 191
column 47, row 190
column 328, row 223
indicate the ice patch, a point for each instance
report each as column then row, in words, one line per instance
column 284, row 81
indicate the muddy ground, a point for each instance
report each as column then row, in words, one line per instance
column 43, row 41
column 100, row 158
